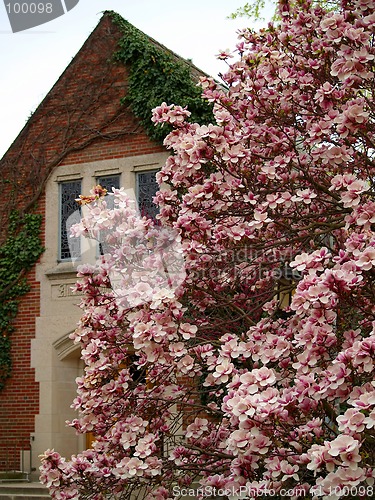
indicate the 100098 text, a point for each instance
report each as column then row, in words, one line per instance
column 29, row 8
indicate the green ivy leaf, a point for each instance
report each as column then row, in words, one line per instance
column 18, row 254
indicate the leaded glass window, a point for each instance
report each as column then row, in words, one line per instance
column 70, row 213
column 107, row 182
column 147, row 187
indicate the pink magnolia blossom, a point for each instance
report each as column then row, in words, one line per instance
column 250, row 363
column 346, row 448
column 351, row 422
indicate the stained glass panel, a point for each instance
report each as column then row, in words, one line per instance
column 70, row 213
column 147, row 187
column 107, row 182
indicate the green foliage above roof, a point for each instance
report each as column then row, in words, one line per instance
column 157, row 75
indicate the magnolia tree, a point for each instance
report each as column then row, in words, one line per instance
column 229, row 345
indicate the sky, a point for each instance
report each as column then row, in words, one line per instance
column 31, row 61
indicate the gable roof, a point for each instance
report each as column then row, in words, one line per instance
column 89, row 105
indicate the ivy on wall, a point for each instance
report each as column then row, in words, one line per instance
column 157, row 75
column 18, row 254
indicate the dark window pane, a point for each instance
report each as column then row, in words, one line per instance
column 70, row 213
column 147, row 187
column 108, row 182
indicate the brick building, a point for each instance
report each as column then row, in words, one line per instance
column 83, row 133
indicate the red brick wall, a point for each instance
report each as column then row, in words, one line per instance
column 19, row 400
column 80, row 120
